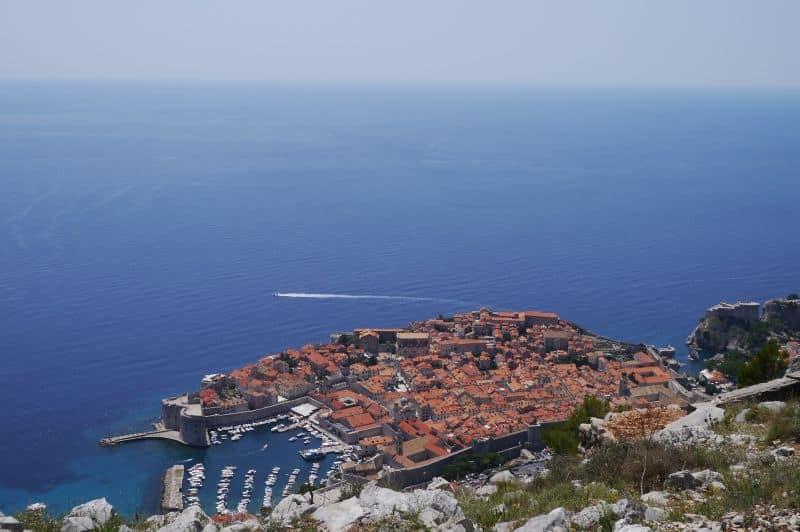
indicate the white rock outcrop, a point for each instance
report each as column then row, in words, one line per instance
column 340, row 515
column 192, row 519
column 502, row 476
column 555, row 520
column 77, row 524
column 98, row 510
column 289, row 508
column 693, row 428
column 656, row 498
column 436, row 508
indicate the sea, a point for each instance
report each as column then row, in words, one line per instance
column 145, row 227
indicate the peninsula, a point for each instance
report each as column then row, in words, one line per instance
column 411, row 399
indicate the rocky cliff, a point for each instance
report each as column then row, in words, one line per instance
column 785, row 311
column 780, row 320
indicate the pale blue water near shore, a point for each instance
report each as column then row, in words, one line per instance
column 144, row 228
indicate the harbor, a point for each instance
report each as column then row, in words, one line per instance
column 251, row 466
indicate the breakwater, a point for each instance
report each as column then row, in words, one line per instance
column 171, row 489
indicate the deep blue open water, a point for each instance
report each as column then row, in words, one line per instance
column 143, row 229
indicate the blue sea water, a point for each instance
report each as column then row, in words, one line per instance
column 143, row 229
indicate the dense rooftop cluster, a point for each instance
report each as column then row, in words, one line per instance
column 436, row 386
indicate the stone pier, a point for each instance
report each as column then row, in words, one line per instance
column 172, row 489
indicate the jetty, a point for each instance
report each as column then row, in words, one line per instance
column 171, row 489
column 159, row 432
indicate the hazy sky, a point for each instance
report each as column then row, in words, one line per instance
column 598, row 42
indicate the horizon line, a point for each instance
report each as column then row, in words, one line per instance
column 468, row 84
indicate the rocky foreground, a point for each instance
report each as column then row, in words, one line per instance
column 711, row 470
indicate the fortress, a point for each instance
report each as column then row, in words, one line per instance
column 741, row 310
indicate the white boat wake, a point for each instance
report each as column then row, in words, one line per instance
column 305, row 295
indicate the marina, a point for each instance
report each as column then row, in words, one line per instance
column 253, row 465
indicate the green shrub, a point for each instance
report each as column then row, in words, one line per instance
column 767, row 364
column 644, row 465
column 350, row 489
column 40, row 521
column 522, row 501
column 563, row 438
column 472, row 463
column 785, row 425
column 765, row 485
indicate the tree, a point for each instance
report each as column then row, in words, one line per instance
column 767, row 364
column 345, row 339
column 307, row 487
column 793, row 296
column 730, row 364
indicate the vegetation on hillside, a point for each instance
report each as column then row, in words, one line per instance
column 768, row 363
column 563, row 438
column 627, row 469
column 472, row 463
column 728, row 364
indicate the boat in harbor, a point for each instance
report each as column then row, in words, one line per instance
column 667, row 351
column 312, row 454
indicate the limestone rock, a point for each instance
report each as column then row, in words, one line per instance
column 486, row 490
column 192, row 519
column 772, row 406
column 251, row 525
column 702, row 417
column 340, row 515
column 656, row 498
column 155, row 521
column 9, row 523
column 380, row 502
column 742, row 439
column 589, row 517
column 98, row 510
column 438, row 483
column 783, row 452
column 655, row 515
column 553, row 521
column 682, row 480
column 716, row 486
column 633, row 528
column 290, row 507
column 706, row 477
column 445, row 507
column 692, row 428
column 502, row 476
column 77, row 524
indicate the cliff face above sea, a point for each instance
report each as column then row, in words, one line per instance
column 720, row 331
